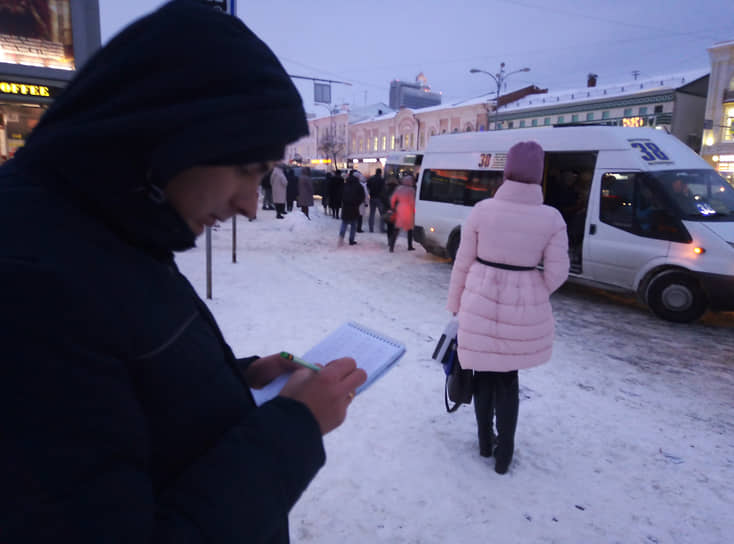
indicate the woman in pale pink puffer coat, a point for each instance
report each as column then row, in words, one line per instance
column 502, row 300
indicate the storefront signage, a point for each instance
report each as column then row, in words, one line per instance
column 37, row 33
column 14, row 88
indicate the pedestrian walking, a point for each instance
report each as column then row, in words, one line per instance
column 364, row 206
column 325, row 192
column 291, row 194
column 126, row 415
column 375, row 187
column 402, row 202
column 267, row 189
column 305, row 190
column 279, row 186
column 502, row 299
column 391, row 183
column 351, row 200
column 336, row 188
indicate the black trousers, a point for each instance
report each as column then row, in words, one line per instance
column 279, row 209
column 496, row 396
column 392, row 236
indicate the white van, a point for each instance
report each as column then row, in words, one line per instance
column 645, row 214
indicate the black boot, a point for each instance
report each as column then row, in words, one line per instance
column 410, row 240
column 483, row 410
column 507, row 401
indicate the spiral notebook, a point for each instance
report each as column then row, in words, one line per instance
column 375, row 353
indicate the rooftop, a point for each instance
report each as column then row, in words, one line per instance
column 582, row 94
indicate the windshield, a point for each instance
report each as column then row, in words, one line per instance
column 697, row 195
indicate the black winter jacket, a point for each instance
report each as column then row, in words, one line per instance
column 125, row 416
column 352, row 198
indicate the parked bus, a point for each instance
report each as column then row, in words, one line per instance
column 644, row 213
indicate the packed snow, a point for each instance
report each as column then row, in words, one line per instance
column 626, row 435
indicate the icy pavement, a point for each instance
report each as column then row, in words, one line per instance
column 627, row 435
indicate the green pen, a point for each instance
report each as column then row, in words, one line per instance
column 301, row 362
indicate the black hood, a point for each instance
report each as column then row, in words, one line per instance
column 185, row 86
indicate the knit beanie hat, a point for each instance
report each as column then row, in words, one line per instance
column 525, row 163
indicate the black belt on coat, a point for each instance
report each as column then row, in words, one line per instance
column 504, row 266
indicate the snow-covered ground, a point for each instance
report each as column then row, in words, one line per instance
column 626, row 436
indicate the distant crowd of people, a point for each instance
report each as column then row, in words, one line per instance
column 387, row 203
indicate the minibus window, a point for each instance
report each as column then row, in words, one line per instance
column 634, row 202
column 465, row 187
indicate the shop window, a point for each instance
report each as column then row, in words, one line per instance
column 560, row 120
column 575, row 118
column 605, row 115
column 534, row 123
column 590, row 116
column 522, row 123
column 510, row 124
column 546, row 121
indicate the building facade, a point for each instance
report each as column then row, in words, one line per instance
column 718, row 138
column 42, row 43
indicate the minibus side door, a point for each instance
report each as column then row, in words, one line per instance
column 618, row 244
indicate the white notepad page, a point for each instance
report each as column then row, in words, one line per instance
column 374, row 353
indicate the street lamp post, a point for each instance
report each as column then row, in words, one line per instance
column 499, row 79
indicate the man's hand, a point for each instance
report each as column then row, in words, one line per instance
column 326, row 393
column 265, row 369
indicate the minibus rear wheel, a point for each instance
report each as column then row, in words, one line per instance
column 676, row 296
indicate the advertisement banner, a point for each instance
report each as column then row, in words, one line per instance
column 36, row 33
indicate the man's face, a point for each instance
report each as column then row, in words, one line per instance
column 203, row 195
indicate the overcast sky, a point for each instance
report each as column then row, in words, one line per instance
column 370, row 43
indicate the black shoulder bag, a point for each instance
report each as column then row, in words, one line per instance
column 459, row 386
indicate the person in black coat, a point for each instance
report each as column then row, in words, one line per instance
column 125, row 414
column 352, row 198
column 291, row 192
column 375, row 186
column 336, row 188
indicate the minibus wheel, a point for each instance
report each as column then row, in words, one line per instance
column 453, row 245
column 676, row 296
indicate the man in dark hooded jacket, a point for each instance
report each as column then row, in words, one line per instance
column 125, row 415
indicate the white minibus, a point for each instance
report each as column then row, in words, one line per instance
column 644, row 213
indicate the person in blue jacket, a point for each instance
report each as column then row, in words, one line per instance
column 126, row 417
